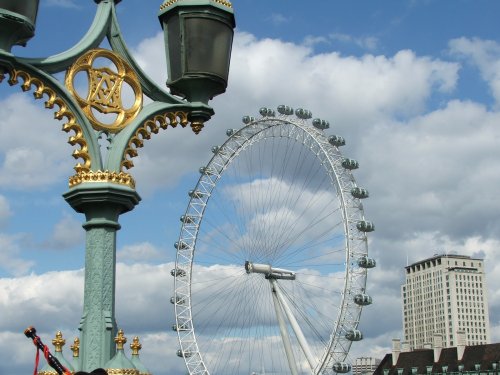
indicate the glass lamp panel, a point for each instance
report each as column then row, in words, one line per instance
column 173, row 41
column 207, row 46
column 26, row 8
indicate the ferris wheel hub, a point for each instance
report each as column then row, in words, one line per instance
column 269, row 271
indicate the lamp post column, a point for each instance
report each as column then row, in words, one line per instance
column 102, row 203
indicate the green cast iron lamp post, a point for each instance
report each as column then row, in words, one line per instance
column 198, row 40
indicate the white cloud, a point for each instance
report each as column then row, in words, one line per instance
column 434, row 172
column 41, row 300
column 485, row 54
column 29, row 161
column 5, row 211
column 11, row 260
column 53, row 301
column 63, row 3
column 67, row 233
column 141, row 252
column 279, row 19
column 270, row 212
column 368, row 43
column 349, row 90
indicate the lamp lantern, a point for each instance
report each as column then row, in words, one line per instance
column 17, row 22
column 198, row 42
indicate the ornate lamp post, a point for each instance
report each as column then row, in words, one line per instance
column 198, row 36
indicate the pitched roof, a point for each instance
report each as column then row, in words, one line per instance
column 420, row 359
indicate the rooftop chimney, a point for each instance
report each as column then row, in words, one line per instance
column 396, row 350
column 405, row 347
column 461, row 344
column 437, row 343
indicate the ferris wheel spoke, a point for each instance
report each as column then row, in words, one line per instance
column 320, row 239
column 290, row 227
column 227, row 234
column 310, row 312
column 292, row 195
column 321, row 257
column 295, row 233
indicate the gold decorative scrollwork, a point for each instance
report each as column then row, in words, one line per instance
column 122, row 371
column 151, row 126
column 41, row 89
column 121, row 178
column 105, row 89
column 172, row 2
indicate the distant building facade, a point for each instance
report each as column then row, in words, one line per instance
column 443, row 295
column 365, row 365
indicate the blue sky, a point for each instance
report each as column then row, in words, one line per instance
column 413, row 86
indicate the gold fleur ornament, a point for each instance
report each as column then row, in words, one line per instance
column 103, row 99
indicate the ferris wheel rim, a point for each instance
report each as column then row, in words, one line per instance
column 238, row 141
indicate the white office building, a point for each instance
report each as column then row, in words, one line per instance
column 443, row 295
column 365, row 365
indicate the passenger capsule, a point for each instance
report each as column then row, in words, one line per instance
column 341, row 367
column 285, row 110
column 178, row 272
column 195, row 194
column 177, row 328
column 267, row 112
column 230, row 132
column 365, row 226
column 359, row 193
column 180, row 245
column 207, row 171
column 177, row 300
column 248, row 119
column 320, row 124
column 350, row 164
column 336, row 140
column 365, row 262
column 186, row 219
column 362, row 299
column 354, row 335
column 303, row 113
column 184, row 354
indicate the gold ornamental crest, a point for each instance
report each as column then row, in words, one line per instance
column 113, row 96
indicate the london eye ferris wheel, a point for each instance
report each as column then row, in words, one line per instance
column 272, row 257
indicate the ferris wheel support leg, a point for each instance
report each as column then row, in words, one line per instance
column 284, row 332
column 295, row 326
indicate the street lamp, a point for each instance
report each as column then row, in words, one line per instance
column 198, row 38
column 17, row 22
column 202, row 30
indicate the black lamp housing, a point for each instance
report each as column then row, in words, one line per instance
column 198, row 39
column 17, row 22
